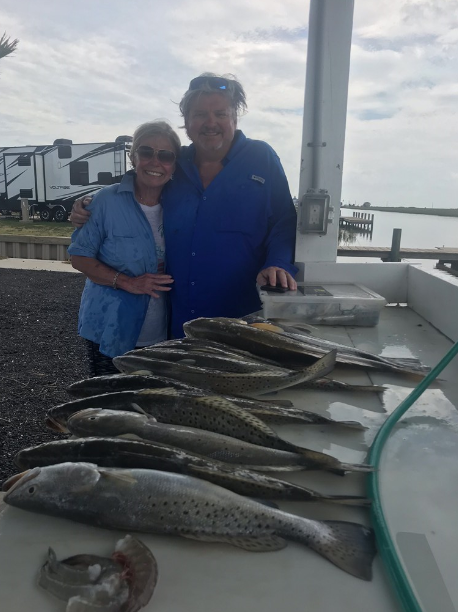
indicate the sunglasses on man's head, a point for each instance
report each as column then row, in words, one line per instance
column 163, row 155
column 212, row 82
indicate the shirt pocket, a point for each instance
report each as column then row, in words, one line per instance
column 128, row 247
column 246, row 209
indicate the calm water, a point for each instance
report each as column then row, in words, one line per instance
column 418, row 231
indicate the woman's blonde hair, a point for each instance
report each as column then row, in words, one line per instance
column 154, row 128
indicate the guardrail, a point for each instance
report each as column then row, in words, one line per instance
column 34, row 247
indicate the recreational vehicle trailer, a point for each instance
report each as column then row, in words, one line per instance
column 52, row 177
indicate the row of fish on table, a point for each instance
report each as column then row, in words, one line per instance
column 181, row 440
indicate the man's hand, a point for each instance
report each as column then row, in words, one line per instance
column 79, row 214
column 273, row 276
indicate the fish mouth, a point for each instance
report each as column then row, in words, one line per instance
column 56, row 426
column 13, row 482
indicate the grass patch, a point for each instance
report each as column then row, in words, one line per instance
column 14, row 227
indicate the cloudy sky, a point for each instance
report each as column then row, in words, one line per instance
column 90, row 71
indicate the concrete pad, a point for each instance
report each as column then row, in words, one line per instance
column 13, row 263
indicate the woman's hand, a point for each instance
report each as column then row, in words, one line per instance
column 79, row 214
column 148, row 284
column 102, row 274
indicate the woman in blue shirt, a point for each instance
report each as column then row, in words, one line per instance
column 121, row 250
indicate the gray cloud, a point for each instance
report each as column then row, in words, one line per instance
column 91, row 71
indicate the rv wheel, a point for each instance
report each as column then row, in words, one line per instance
column 60, row 214
column 46, row 214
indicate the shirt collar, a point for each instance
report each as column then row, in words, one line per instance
column 127, row 182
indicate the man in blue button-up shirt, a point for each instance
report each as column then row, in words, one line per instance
column 229, row 219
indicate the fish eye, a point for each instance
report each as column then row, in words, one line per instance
column 92, row 418
column 31, row 490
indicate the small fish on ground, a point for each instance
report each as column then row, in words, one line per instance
column 123, row 583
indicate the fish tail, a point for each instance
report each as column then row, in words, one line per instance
column 350, row 546
column 367, row 388
column 350, row 425
column 314, row 460
column 357, row 467
column 347, row 500
column 342, row 468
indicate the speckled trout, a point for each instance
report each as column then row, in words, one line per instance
column 253, row 383
column 172, row 504
column 146, row 400
column 213, row 414
column 111, row 383
column 109, row 423
column 271, row 342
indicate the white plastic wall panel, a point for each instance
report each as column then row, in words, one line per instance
column 434, row 296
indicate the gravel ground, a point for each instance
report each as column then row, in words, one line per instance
column 40, row 354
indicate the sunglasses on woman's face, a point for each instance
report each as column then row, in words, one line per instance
column 164, row 156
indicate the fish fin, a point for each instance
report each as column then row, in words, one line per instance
column 130, row 436
column 140, row 373
column 118, row 474
column 324, row 365
column 280, row 402
column 302, row 329
column 367, row 388
column 139, row 409
column 348, row 545
column 163, row 391
column 52, row 560
column 266, row 326
column 261, row 544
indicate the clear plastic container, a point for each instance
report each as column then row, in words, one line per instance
column 325, row 304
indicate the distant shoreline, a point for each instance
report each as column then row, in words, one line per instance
column 409, row 210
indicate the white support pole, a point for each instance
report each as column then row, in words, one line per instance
column 325, row 109
column 25, row 211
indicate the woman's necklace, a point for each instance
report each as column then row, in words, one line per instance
column 146, row 201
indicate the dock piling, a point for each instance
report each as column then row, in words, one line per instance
column 395, row 245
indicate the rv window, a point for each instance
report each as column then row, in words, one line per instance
column 104, row 178
column 24, row 160
column 79, row 173
column 64, row 151
column 26, row 193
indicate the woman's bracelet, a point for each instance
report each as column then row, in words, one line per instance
column 115, row 279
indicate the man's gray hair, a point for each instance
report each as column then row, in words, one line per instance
column 234, row 92
column 154, row 128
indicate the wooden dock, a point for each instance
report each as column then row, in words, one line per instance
column 447, row 258
column 360, row 221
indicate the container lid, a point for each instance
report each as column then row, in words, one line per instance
column 326, row 292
